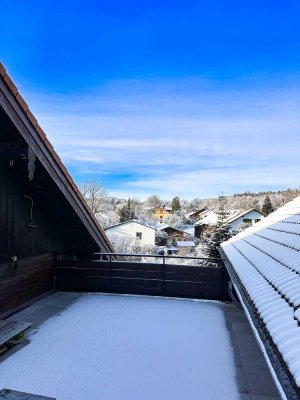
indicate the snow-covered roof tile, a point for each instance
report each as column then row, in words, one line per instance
column 266, row 258
column 208, row 218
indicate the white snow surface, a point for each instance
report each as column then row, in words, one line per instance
column 266, row 258
column 209, row 218
column 127, row 348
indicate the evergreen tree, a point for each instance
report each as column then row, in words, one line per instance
column 126, row 213
column 176, row 204
column 267, row 207
column 214, row 238
column 220, row 233
column 222, row 213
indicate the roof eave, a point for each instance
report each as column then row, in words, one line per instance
column 27, row 125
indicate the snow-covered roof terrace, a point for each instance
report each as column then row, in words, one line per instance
column 95, row 346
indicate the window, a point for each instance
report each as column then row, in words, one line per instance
column 247, row 221
column 139, row 235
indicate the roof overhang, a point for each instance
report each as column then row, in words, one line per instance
column 24, row 121
column 278, row 368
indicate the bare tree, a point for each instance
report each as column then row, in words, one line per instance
column 99, row 201
column 95, row 195
column 153, row 202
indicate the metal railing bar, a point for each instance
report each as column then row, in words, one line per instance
column 159, row 256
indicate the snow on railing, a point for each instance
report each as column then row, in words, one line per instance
column 161, row 259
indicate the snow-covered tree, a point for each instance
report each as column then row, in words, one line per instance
column 213, row 238
column 176, row 204
column 153, row 201
column 126, row 212
column 177, row 220
column 218, row 234
column 108, row 217
column 94, row 194
column 161, row 238
column 267, row 207
column 147, row 218
column 222, row 213
column 99, row 201
column 129, row 245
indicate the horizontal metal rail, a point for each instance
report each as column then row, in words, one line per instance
column 215, row 260
column 202, row 278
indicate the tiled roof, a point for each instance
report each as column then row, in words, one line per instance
column 209, row 218
column 266, row 258
column 24, row 106
column 162, row 227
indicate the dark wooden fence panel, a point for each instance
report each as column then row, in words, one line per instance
column 23, row 282
column 142, row 278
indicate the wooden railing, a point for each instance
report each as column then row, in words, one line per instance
column 160, row 278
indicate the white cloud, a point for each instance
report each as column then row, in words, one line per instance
column 177, row 139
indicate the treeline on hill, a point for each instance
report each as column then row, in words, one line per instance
column 110, row 210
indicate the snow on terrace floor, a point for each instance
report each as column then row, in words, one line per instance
column 119, row 348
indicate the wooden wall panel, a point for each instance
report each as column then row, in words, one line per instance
column 16, row 238
column 19, row 284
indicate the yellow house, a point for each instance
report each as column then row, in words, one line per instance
column 162, row 212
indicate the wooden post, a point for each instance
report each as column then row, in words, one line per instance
column 163, row 277
column 109, row 272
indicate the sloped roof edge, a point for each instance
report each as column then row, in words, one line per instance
column 242, row 214
column 88, row 216
column 129, row 222
column 280, row 373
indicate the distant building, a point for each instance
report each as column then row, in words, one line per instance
column 235, row 219
column 175, row 235
column 162, row 212
column 209, row 218
column 249, row 217
column 133, row 229
column 195, row 215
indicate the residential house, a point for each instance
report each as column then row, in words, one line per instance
column 162, row 212
column 235, row 219
column 195, row 215
column 132, row 229
column 209, row 218
column 175, row 235
column 249, row 217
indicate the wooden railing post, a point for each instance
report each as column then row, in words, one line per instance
column 109, row 272
column 163, row 277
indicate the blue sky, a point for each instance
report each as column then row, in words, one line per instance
column 187, row 98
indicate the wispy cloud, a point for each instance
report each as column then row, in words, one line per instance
column 186, row 137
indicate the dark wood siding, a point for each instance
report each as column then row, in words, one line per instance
column 22, row 282
column 16, row 238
